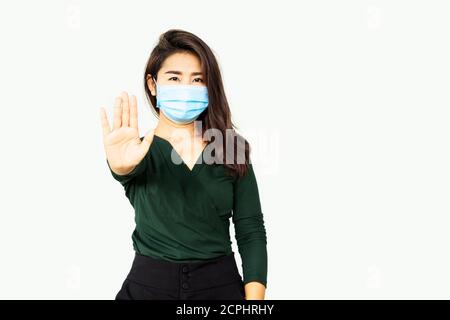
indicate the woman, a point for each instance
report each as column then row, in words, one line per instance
column 185, row 179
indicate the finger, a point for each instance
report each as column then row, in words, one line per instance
column 117, row 122
column 133, row 112
column 104, row 120
column 147, row 141
column 125, row 110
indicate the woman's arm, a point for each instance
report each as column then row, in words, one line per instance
column 250, row 234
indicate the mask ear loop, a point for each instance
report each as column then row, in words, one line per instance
column 154, row 80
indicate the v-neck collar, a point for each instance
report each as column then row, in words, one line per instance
column 180, row 166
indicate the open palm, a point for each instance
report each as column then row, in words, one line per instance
column 123, row 146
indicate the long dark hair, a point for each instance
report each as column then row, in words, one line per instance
column 217, row 115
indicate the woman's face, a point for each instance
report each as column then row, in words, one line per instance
column 179, row 68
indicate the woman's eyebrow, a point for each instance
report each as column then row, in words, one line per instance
column 179, row 72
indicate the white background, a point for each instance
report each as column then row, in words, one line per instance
column 345, row 102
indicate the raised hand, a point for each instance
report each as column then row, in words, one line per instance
column 123, row 146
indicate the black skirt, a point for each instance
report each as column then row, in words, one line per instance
column 156, row 279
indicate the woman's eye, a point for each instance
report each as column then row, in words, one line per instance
column 175, row 78
column 195, row 80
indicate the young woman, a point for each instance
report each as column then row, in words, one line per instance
column 182, row 200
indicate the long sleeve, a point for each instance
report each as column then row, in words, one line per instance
column 124, row 179
column 250, row 232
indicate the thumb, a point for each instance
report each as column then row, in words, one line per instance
column 148, row 139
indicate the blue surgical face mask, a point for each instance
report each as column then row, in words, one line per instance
column 181, row 103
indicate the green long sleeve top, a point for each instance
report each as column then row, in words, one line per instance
column 183, row 215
